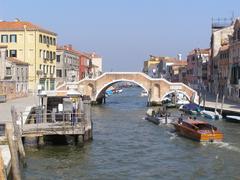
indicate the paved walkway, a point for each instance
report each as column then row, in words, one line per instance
column 228, row 105
column 20, row 104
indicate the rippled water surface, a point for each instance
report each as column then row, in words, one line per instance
column 126, row 146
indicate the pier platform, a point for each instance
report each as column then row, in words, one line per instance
column 58, row 128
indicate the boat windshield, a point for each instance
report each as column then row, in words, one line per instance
column 206, row 127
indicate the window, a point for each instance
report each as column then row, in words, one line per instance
column 54, row 41
column 47, row 40
column 8, row 71
column 13, row 38
column 4, row 38
column 50, row 67
column 58, row 58
column 53, row 69
column 44, row 54
column 6, row 53
column 44, row 39
column 40, row 67
column 47, row 54
column 238, row 34
column 47, row 69
column 51, row 57
column 65, row 74
column 50, row 41
column 44, row 71
column 40, row 38
column 13, row 53
column 54, row 55
column 40, row 53
column 59, row 73
column 52, row 84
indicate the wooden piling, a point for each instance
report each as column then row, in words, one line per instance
column 3, row 174
column 216, row 102
column 222, row 103
column 204, row 101
column 40, row 141
column 13, row 150
column 17, row 134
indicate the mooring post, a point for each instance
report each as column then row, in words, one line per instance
column 204, row 101
column 216, row 102
column 17, row 133
column 3, row 174
column 222, row 104
column 13, row 150
column 87, row 118
column 40, row 141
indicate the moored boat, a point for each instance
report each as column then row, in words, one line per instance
column 198, row 130
column 144, row 93
column 211, row 115
column 158, row 118
column 190, row 108
column 233, row 118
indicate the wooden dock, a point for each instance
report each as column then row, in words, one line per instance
column 58, row 128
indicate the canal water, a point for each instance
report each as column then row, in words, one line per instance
column 126, row 146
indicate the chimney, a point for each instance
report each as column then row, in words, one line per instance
column 179, row 57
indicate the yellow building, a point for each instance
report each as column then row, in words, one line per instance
column 34, row 45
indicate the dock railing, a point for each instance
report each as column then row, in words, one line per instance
column 54, row 123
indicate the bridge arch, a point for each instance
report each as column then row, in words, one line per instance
column 178, row 91
column 157, row 88
column 107, row 85
column 91, row 89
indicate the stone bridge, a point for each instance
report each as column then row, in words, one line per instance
column 156, row 88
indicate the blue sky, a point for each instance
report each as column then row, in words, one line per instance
column 125, row 32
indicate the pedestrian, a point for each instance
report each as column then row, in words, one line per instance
column 73, row 116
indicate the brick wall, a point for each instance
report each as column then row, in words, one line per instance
column 9, row 88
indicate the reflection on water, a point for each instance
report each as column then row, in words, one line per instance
column 126, row 146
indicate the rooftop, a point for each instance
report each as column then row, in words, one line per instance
column 16, row 61
column 21, row 26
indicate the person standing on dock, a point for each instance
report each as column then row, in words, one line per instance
column 73, row 119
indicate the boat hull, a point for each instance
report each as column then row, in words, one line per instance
column 158, row 120
column 235, row 119
column 197, row 135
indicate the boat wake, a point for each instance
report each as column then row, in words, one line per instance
column 227, row 146
column 172, row 135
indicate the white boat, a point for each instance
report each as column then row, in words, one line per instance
column 119, row 90
column 144, row 93
column 156, row 118
column 233, row 118
column 211, row 115
column 182, row 102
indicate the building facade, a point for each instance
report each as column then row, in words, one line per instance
column 13, row 75
column 197, row 68
column 35, row 46
column 219, row 40
column 161, row 66
column 67, row 64
column 234, row 63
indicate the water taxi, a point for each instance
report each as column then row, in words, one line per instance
column 198, row 130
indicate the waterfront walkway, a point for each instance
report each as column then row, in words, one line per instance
column 20, row 104
column 227, row 106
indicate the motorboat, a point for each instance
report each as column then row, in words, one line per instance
column 158, row 117
column 190, row 108
column 182, row 102
column 211, row 115
column 197, row 130
column 144, row 93
column 233, row 118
